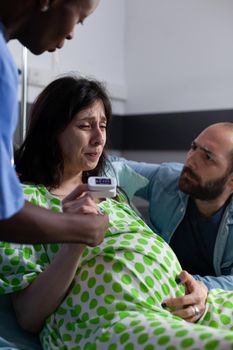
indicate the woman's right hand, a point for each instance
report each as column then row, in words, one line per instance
column 80, row 201
column 91, row 222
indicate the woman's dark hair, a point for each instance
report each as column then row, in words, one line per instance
column 39, row 159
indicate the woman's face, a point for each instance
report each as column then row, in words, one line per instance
column 83, row 140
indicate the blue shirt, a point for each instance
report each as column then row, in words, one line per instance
column 167, row 208
column 11, row 197
column 194, row 240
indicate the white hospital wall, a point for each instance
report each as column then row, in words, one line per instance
column 160, row 55
column 179, row 58
column 179, row 55
column 155, row 56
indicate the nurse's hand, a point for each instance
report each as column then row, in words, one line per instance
column 190, row 307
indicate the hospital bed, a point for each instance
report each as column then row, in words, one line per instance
column 11, row 332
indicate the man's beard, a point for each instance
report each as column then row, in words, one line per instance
column 208, row 191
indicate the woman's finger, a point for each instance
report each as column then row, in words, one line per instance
column 76, row 193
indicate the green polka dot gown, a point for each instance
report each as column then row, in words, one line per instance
column 114, row 302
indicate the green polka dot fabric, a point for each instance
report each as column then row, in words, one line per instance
column 114, row 302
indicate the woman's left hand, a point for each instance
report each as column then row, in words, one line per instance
column 191, row 306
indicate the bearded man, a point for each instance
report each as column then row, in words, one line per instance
column 191, row 205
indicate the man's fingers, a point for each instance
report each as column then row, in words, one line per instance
column 184, row 275
column 193, row 294
column 187, row 314
column 192, row 313
column 76, row 193
column 180, row 301
column 187, row 280
column 191, row 306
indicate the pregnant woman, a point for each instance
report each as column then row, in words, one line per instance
column 108, row 297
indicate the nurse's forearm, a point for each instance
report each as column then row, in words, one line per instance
column 38, row 225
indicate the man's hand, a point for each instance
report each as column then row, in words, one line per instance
column 190, row 307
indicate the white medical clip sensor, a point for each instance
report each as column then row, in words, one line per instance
column 102, row 187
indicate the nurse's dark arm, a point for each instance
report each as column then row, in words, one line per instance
column 33, row 224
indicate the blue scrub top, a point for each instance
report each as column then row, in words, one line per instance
column 11, row 196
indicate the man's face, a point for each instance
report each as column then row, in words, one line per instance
column 193, row 185
column 47, row 31
column 206, row 174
